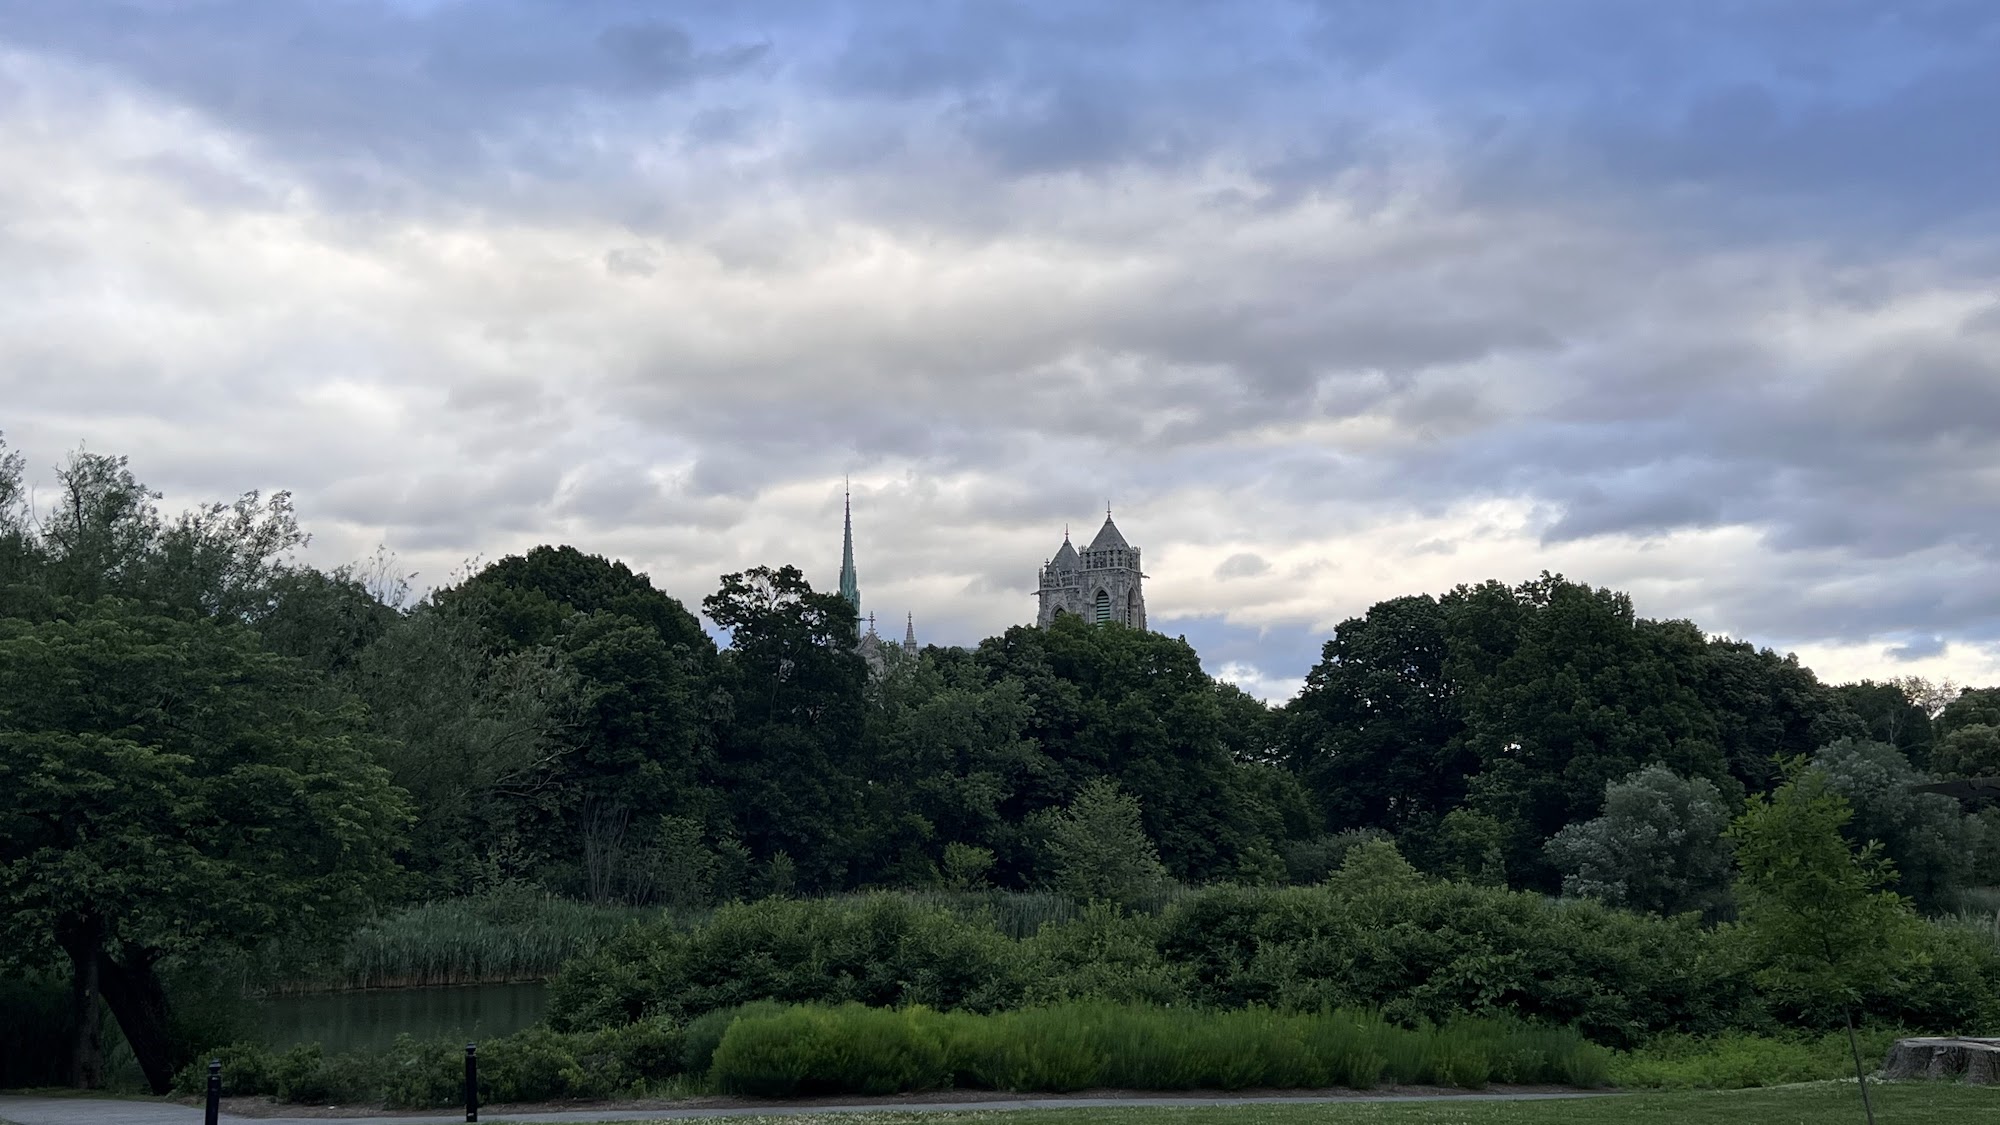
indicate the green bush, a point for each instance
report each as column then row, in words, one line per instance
column 704, row 1033
column 857, row 1050
column 879, row 950
column 1419, row 951
column 529, row 1066
column 1735, row 1060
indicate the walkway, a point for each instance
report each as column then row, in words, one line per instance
column 106, row 1111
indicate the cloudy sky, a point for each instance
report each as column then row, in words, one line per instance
column 1333, row 301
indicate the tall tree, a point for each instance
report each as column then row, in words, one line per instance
column 790, row 757
column 173, row 788
column 1817, row 916
column 1377, row 735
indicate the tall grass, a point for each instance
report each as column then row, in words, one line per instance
column 466, row 941
column 857, row 1050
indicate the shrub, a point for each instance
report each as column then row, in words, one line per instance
column 1736, row 1060
column 850, row 1049
column 857, row 1050
column 704, row 1033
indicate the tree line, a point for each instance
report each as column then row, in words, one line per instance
column 212, row 743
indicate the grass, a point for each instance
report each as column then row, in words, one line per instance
column 1832, row 1103
column 467, row 941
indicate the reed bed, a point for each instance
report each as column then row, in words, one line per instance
column 857, row 1050
column 472, row 941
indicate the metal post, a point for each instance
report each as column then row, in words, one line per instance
column 213, row 1111
column 471, row 1082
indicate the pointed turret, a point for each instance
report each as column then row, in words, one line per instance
column 850, row 584
column 909, row 632
column 1066, row 557
column 1108, row 537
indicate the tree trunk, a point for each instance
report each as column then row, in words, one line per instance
column 1854, row 1049
column 81, row 942
column 1944, row 1056
column 134, row 993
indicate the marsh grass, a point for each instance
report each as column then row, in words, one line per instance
column 461, row 942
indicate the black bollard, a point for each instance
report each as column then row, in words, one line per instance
column 471, row 1082
column 213, row 1112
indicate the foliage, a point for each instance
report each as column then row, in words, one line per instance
column 532, row 1065
column 1657, row 846
column 173, row 788
column 522, row 935
column 1926, row 837
column 1098, row 848
column 1971, row 750
column 1739, row 1060
column 856, row 1050
column 879, row 950
column 1818, row 923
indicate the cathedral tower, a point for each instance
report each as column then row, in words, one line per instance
column 850, row 584
column 1102, row 582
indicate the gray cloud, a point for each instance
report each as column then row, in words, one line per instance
column 651, row 279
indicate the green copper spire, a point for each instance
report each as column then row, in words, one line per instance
column 850, row 586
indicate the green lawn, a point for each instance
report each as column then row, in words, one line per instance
column 1817, row 1104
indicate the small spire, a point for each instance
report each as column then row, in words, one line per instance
column 910, row 632
column 1065, row 531
column 871, row 624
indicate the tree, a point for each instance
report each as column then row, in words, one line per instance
column 1098, row 849
column 173, row 788
column 1889, row 713
column 1972, row 750
column 1657, row 846
column 789, row 757
column 1377, row 735
column 469, row 734
column 1817, row 916
column 1927, row 836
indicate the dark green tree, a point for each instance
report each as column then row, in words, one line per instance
column 790, row 759
column 1377, row 736
column 172, row 789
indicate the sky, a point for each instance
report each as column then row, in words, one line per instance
column 1331, row 302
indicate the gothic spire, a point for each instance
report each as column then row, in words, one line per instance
column 909, row 632
column 850, row 585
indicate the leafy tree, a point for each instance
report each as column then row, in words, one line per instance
column 1970, row 707
column 1658, row 845
column 1889, row 714
column 470, row 735
column 1098, row 849
column 1110, row 701
column 790, row 759
column 1567, row 690
column 1972, row 750
column 1926, row 836
column 172, row 789
column 1377, row 734
column 1817, row 916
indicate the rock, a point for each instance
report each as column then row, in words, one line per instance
column 1978, row 1060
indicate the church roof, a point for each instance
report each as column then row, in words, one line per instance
column 1066, row 558
column 1108, row 538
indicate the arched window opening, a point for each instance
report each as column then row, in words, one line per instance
column 1103, row 606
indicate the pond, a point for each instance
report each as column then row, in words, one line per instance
column 372, row 1018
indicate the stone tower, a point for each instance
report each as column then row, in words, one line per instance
column 1102, row 582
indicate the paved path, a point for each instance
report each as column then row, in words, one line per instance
column 106, row 1111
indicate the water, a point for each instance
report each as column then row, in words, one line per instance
column 372, row 1018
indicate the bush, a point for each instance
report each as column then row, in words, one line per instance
column 1737, row 1060
column 704, row 1033
column 879, row 950
column 856, row 1050
column 1419, row 951
column 532, row 1065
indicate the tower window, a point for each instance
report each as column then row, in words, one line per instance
column 1103, row 606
